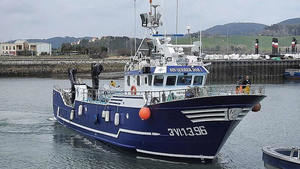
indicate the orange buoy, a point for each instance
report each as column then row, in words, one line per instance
column 256, row 108
column 145, row 113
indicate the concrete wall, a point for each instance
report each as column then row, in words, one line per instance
column 48, row 68
column 259, row 71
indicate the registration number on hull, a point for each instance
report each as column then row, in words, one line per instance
column 190, row 131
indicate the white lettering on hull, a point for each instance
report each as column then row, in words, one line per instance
column 188, row 132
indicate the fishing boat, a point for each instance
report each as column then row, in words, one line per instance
column 165, row 108
column 281, row 157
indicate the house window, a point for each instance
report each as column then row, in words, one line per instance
column 128, row 80
column 138, row 80
column 6, row 47
column 150, row 80
column 184, row 80
column 9, row 47
column 171, row 81
column 198, row 80
column 146, row 80
column 14, row 47
column 159, row 80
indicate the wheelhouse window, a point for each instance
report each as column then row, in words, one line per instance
column 198, row 80
column 159, row 80
column 171, row 81
column 184, row 80
column 138, row 81
column 128, row 80
column 150, row 80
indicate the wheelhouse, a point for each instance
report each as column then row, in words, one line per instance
column 166, row 78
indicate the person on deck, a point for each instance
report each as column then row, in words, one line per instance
column 239, row 86
column 246, row 81
column 113, row 83
column 246, row 85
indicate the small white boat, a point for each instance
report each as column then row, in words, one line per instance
column 281, row 158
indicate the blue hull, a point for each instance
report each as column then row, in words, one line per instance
column 295, row 75
column 169, row 131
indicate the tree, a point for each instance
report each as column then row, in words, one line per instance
column 66, row 47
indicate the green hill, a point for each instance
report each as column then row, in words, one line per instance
column 294, row 21
column 236, row 29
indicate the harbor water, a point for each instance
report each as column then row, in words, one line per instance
column 31, row 138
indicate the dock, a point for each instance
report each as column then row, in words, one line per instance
column 259, row 71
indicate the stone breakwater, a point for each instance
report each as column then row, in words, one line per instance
column 55, row 67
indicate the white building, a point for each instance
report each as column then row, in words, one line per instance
column 94, row 39
column 41, row 48
column 22, row 47
column 8, row 49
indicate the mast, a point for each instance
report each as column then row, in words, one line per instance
column 134, row 26
column 200, row 43
column 176, row 20
column 150, row 7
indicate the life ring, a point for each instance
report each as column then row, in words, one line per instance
column 133, row 90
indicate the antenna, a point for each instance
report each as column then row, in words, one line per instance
column 150, row 7
column 188, row 28
column 176, row 20
column 134, row 26
column 200, row 43
column 227, row 41
column 164, row 19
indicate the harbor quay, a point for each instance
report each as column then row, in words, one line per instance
column 259, row 71
column 221, row 71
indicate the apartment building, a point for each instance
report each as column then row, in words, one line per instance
column 23, row 48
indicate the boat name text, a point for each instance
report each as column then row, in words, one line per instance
column 187, row 69
column 190, row 131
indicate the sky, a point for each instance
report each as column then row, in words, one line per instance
column 25, row 19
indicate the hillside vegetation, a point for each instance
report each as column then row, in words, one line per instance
column 239, row 44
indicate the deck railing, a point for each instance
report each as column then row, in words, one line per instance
column 155, row 97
